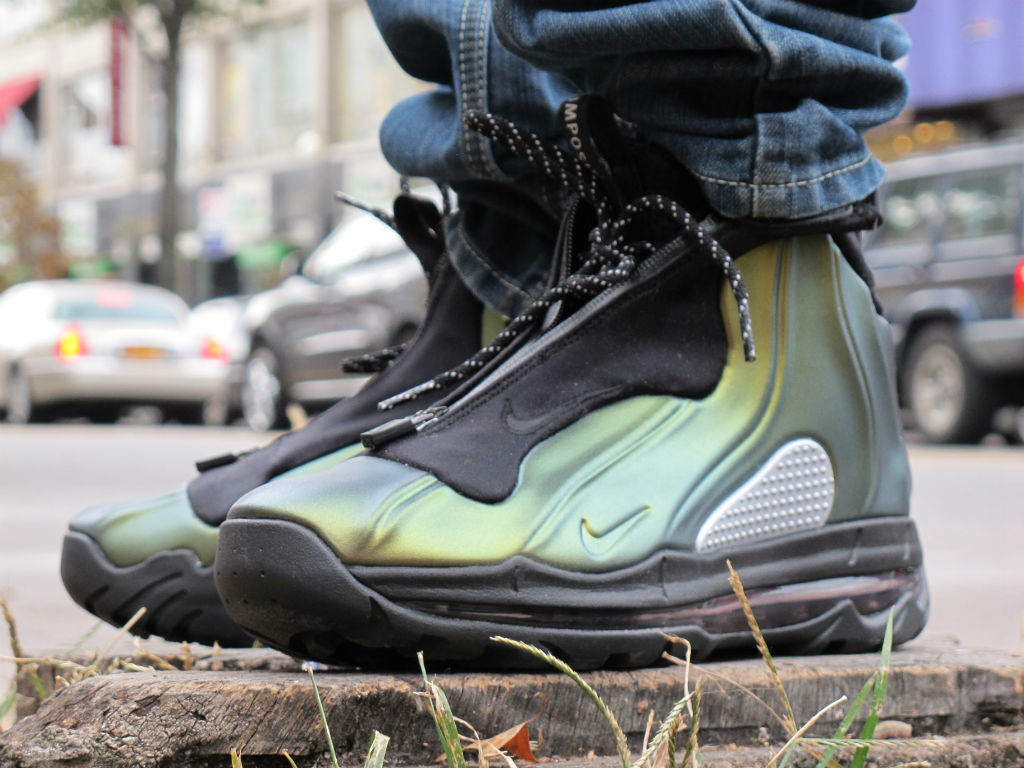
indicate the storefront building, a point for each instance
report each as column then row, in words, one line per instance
column 275, row 114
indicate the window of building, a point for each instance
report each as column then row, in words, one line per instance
column 367, row 81
column 268, row 90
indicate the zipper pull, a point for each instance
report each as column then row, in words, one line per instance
column 396, row 428
column 204, row 465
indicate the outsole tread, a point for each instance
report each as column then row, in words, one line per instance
column 178, row 593
column 342, row 621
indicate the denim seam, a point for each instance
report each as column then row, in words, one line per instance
column 803, row 183
column 758, row 159
column 472, row 76
column 474, row 87
column 467, row 138
column 487, row 267
column 486, row 156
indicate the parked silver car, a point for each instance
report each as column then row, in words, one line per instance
column 91, row 347
column 361, row 290
column 223, row 320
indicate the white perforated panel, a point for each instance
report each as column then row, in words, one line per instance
column 793, row 491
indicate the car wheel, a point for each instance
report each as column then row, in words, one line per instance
column 263, row 398
column 20, row 408
column 950, row 402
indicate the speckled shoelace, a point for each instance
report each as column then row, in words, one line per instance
column 373, row 362
column 610, row 260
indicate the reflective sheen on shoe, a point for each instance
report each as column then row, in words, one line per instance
column 156, row 553
column 626, row 486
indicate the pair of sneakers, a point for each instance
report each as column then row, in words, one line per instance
column 582, row 479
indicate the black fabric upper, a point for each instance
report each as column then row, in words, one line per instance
column 450, row 332
column 665, row 336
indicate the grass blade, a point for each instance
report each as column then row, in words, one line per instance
column 236, row 759
column 84, row 639
column 803, row 729
column 444, row 720
column 690, row 756
column 7, row 703
column 847, row 721
column 37, row 683
column 288, row 757
column 860, row 757
column 668, row 729
column 378, row 746
column 323, row 719
column 121, row 633
column 561, row 666
column 12, row 628
column 928, row 743
column 672, row 749
column 762, row 646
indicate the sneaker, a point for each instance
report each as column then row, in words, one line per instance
column 665, row 410
column 159, row 552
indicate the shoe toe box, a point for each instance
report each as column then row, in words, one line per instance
column 133, row 531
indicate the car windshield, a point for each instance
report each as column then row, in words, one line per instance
column 117, row 304
column 353, row 242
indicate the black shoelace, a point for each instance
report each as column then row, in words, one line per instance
column 373, row 362
column 611, row 259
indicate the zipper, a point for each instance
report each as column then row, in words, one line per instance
column 560, row 330
column 429, row 417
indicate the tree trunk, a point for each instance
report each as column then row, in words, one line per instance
column 172, row 20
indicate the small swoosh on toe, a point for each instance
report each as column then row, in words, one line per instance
column 601, row 541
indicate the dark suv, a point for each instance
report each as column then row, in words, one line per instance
column 361, row 290
column 950, row 276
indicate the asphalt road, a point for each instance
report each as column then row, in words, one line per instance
column 968, row 503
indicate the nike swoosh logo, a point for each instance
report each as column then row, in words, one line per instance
column 556, row 413
column 598, row 541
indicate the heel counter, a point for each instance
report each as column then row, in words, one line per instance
column 874, row 349
column 892, row 495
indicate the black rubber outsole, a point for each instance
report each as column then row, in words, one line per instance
column 285, row 586
column 179, row 594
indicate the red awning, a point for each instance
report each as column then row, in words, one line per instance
column 14, row 93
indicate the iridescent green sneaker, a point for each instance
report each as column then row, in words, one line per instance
column 159, row 552
column 586, row 490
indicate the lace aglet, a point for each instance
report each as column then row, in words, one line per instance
column 379, row 213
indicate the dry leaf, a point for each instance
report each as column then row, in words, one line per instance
column 517, row 745
column 515, row 741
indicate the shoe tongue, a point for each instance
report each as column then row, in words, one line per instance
column 419, row 223
column 628, row 167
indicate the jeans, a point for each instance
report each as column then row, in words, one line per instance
column 764, row 101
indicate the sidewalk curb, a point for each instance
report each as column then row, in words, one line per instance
column 260, row 702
